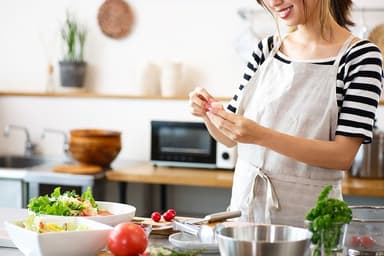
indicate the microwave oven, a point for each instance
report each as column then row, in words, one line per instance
column 188, row 144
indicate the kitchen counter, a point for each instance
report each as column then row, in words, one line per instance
column 147, row 173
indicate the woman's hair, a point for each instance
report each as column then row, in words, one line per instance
column 339, row 9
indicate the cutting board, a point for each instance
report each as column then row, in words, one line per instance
column 78, row 169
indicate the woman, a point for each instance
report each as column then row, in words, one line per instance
column 306, row 103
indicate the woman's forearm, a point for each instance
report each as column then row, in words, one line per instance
column 337, row 154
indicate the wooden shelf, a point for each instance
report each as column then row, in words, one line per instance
column 93, row 95
column 103, row 96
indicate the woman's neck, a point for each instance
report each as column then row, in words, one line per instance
column 308, row 43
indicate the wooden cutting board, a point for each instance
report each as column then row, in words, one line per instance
column 78, row 169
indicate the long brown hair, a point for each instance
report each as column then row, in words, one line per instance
column 339, row 9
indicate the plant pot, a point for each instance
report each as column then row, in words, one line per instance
column 72, row 74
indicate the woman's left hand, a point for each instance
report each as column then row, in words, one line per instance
column 236, row 127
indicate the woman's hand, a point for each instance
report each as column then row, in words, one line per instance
column 200, row 102
column 235, row 127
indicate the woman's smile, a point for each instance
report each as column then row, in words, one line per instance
column 284, row 12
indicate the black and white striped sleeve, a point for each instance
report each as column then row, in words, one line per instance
column 359, row 85
column 257, row 58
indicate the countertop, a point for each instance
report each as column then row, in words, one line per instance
column 142, row 172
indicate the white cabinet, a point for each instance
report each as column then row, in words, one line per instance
column 12, row 193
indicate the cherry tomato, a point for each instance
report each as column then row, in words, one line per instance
column 355, row 241
column 173, row 211
column 127, row 239
column 168, row 215
column 367, row 242
column 156, row 216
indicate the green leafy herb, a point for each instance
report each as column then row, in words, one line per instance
column 326, row 220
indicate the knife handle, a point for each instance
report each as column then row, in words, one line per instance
column 222, row 216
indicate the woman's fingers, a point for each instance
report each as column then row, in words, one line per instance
column 200, row 101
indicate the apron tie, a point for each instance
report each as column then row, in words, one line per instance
column 257, row 201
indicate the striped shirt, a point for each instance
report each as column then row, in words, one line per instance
column 358, row 85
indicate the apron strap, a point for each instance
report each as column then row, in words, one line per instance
column 343, row 49
column 261, row 204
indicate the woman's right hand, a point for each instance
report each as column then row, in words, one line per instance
column 200, row 102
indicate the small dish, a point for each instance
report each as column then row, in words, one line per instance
column 187, row 241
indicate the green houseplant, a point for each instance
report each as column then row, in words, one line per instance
column 73, row 66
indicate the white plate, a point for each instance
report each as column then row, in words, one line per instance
column 187, row 241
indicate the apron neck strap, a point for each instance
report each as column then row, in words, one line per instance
column 343, row 49
column 277, row 41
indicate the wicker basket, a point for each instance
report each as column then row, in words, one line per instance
column 115, row 18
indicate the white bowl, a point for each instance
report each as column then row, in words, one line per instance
column 74, row 243
column 120, row 213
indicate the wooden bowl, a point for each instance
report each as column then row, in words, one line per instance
column 94, row 146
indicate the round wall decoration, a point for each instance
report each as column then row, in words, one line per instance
column 115, row 18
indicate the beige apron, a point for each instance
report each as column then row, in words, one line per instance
column 297, row 99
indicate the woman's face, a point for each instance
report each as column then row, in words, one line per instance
column 293, row 12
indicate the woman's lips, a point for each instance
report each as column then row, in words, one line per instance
column 284, row 13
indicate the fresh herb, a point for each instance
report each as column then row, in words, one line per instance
column 326, row 220
column 67, row 204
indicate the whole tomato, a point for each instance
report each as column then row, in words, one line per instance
column 127, row 239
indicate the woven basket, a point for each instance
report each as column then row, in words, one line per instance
column 115, row 18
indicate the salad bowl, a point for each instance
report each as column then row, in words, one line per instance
column 71, row 205
column 86, row 237
column 117, row 213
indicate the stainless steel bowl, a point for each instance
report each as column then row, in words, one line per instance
column 264, row 240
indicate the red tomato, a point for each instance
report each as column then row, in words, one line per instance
column 173, row 211
column 127, row 239
column 156, row 216
column 367, row 242
column 169, row 215
column 355, row 241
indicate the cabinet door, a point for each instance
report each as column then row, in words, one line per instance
column 11, row 193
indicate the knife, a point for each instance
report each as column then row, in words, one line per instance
column 214, row 217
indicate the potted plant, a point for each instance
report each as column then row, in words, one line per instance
column 73, row 66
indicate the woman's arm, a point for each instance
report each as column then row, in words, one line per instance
column 337, row 154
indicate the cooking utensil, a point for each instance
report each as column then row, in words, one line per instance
column 263, row 240
column 365, row 235
column 214, row 217
column 369, row 160
column 376, row 35
column 204, row 233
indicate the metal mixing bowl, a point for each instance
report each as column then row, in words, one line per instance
column 264, row 240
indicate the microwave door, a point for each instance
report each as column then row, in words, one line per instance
column 180, row 144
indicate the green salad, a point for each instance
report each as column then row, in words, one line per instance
column 65, row 204
column 34, row 223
